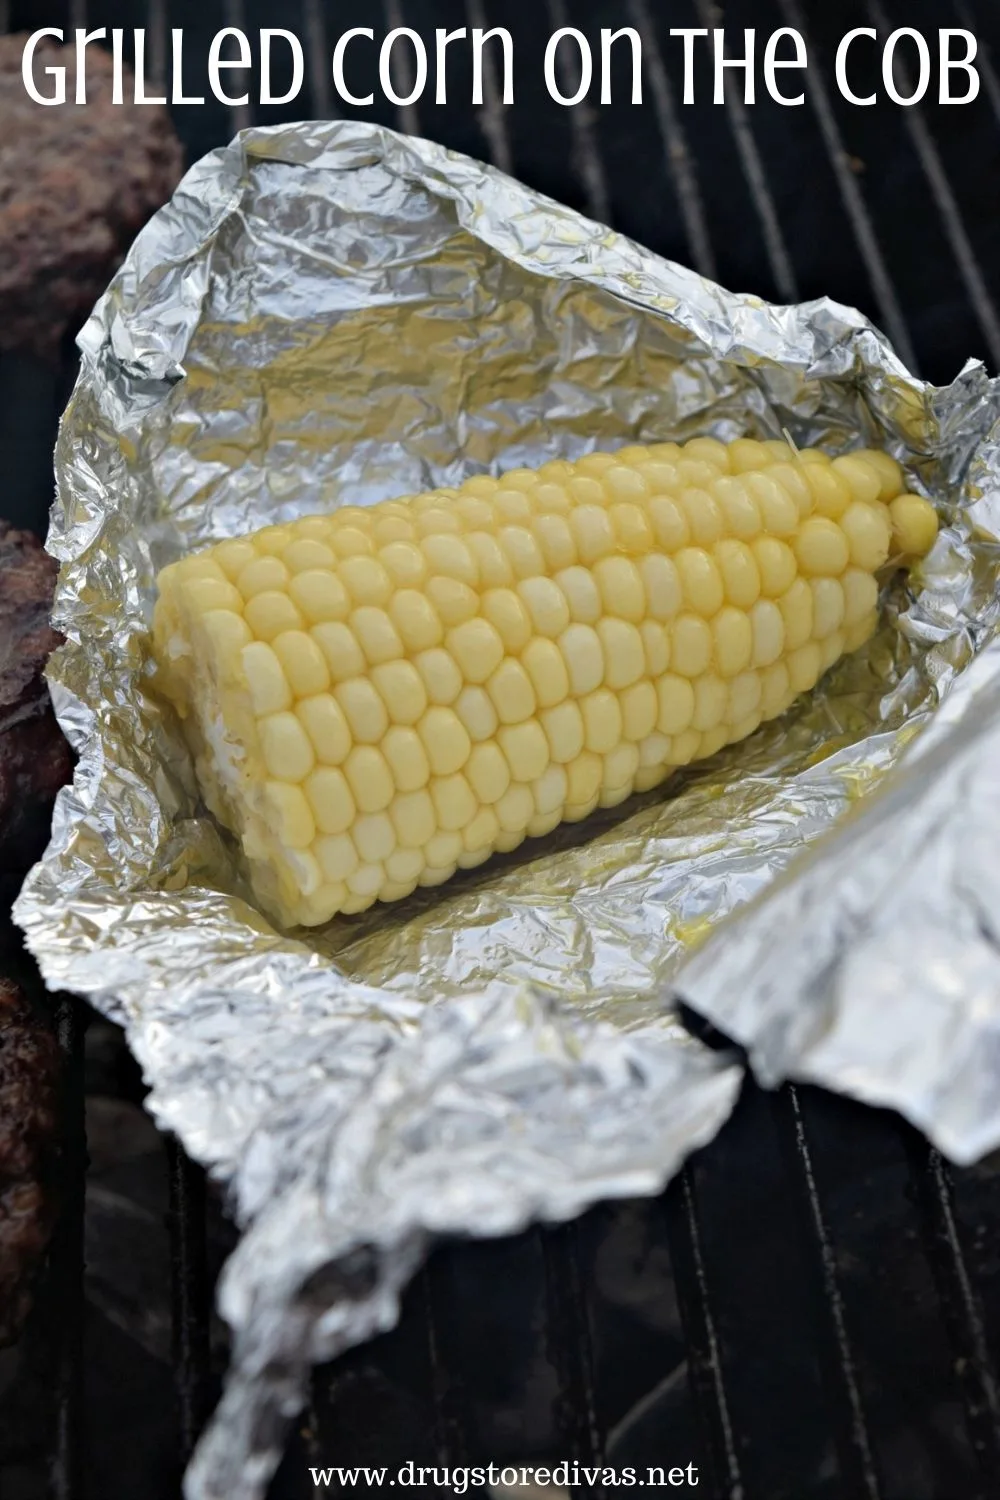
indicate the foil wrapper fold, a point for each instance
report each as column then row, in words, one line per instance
column 329, row 314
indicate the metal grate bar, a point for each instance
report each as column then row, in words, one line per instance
column 962, row 1314
column 984, row 59
column 589, row 168
column 756, row 179
column 493, row 114
column 67, row 1261
column 568, row 1346
column 191, row 1295
column 675, row 144
column 853, row 1443
column 409, row 116
column 704, row 1359
column 947, row 205
column 853, row 199
column 450, row 1422
column 318, row 60
column 240, row 114
column 156, row 38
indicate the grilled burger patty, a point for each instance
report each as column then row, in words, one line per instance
column 77, row 183
column 35, row 760
column 29, row 1072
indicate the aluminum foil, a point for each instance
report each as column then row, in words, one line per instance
column 328, row 314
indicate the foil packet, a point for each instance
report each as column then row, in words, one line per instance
column 330, row 313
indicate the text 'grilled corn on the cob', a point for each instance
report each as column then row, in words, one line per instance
column 378, row 697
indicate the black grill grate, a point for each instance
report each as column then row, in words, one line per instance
column 814, row 1237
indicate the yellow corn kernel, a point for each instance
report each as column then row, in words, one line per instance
column 602, row 721
column 701, row 584
column 745, row 694
column 563, row 727
column 662, row 586
column 441, row 678
column 860, row 595
column 319, row 596
column 369, row 778
column 526, row 749
column 639, row 710
column 511, row 692
column 579, row 586
column 506, row 612
column 741, row 576
column 624, row 657
column 269, row 613
column 365, row 580
column 337, row 855
column 264, row 675
column 768, row 629
column 821, row 548
column 406, row 758
column 233, row 557
column 804, row 667
column 323, row 720
column 513, row 810
column 830, row 491
column 401, row 689
column 375, row 633
column 776, row 565
column 828, row 606
column 655, row 648
column 262, row 576
column 711, row 699
column 475, row 709
column 690, row 645
column 445, row 740
column 362, row 706
column 583, row 778
column 416, row 620
column 339, row 645
column 285, row 747
column 374, row 837
column 863, row 480
column 584, row 657
column 779, row 513
column 477, row 649
column 675, row 697
column 796, row 608
column 704, row 517
column 454, row 801
column 413, row 818
column 330, row 799
column 289, row 810
column 488, row 772
column 405, row 564
column 619, row 583
column 732, row 640
column 306, row 554
column 546, row 668
column 546, row 605
column 867, row 532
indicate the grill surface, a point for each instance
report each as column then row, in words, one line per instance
column 812, row 1310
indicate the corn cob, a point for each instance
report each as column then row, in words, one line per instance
column 378, row 697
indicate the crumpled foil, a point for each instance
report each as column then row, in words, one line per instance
column 331, row 313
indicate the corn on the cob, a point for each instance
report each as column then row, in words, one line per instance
column 378, row 697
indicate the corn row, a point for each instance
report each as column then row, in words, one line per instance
column 378, row 697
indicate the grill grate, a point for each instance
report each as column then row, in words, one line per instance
column 726, row 202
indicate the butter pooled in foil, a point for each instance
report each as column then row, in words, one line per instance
column 331, row 314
